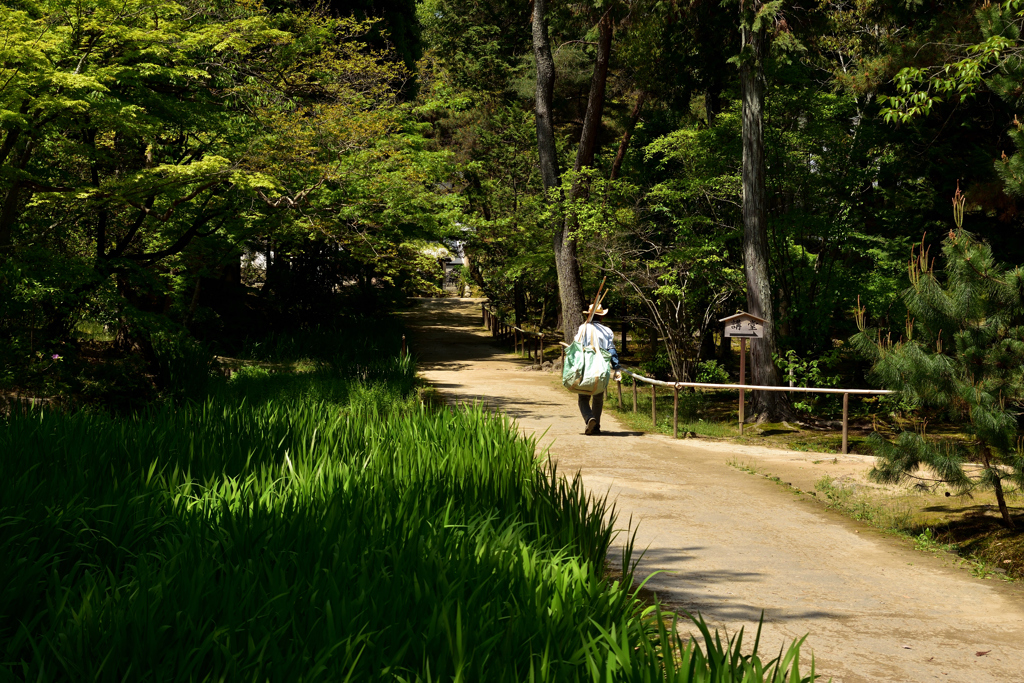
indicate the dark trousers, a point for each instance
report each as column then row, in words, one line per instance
column 591, row 410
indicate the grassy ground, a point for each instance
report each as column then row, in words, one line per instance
column 970, row 534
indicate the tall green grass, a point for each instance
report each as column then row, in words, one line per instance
column 311, row 528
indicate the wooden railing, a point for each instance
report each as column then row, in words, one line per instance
column 676, row 386
column 530, row 344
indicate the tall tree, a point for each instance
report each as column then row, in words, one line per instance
column 570, row 288
column 754, row 17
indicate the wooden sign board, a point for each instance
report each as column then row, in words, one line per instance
column 744, row 325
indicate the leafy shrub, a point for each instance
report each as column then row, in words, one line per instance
column 811, row 373
column 656, row 366
column 711, row 372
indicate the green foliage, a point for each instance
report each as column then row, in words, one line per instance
column 675, row 259
column 145, row 146
column 711, row 372
column 921, row 88
column 960, row 352
column 249, row 372
column 313, row 533
column 656, row 365
column 810, row 373
column 995, row 62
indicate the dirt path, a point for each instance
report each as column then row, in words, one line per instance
column 731, row 545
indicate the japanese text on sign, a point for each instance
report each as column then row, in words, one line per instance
column 744, row 328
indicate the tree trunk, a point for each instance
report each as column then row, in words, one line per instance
column 634, row 117
column 772, row 405
column 595, row 101
column 567, row 266
column 545, row 94
column 997, row 485
column 572, row 300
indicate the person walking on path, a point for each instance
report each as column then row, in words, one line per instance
column 603, row 338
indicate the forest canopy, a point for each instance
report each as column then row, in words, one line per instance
column 205, row 169
column 147, row 145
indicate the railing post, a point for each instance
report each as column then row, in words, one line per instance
column 846, row 423
column 634, row 394
column 654, row 406
column 675, row 412
column 540, row 347
column 403, row 345
column 743, row 380
column 618, row 383
column 483, row 312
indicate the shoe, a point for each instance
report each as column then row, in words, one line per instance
column 597, row 429
column 591, row 426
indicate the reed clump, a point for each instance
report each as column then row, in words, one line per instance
column 316, row 527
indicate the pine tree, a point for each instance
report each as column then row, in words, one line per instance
column 963, row 352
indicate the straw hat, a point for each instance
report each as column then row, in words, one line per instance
column 600, row 310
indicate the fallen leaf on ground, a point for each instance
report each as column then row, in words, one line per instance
column 982, row 654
